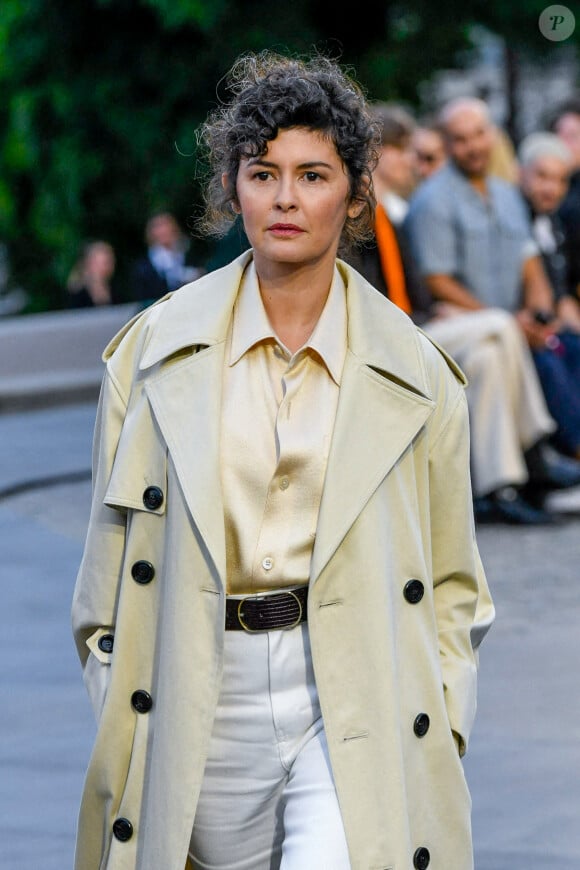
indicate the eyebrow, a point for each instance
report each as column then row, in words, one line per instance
column 312, row 164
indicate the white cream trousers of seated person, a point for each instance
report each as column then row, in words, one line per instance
column 268, row 800
column 507, row 408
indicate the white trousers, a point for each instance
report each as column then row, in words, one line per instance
column 268, row 799
column 507, row 408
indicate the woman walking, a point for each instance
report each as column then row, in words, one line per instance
column 281, row 597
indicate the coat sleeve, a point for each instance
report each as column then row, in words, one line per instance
column 463, row 606
column 96, row 590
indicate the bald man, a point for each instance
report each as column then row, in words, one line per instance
column 471, row 239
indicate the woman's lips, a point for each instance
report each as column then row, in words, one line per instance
column 285, row 229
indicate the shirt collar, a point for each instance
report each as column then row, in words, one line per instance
column 250, row 324
column 395, row 206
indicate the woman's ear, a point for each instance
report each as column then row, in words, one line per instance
column 234, row 204
column 355, row 208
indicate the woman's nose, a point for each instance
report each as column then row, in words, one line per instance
column 285, row 195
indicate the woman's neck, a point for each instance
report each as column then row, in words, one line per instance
column 294, row 301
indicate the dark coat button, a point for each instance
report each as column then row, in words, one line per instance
column 413, row 591
column 153, row 498
column 421, row 858
column 421, row 724
column 142, row 572
column 106, row 642
column 122, row 829
column 141, row 701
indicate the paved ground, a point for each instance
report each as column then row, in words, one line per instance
column 525, row 754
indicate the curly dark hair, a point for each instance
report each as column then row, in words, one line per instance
column 272, row 92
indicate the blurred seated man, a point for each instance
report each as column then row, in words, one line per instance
column 471, row 240
column 506, row 405
column 546, row 163
column 565, row 123
column 167, row 264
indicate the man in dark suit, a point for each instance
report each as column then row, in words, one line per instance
column 167, row 264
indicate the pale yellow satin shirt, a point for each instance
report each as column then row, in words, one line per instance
column 278, row 413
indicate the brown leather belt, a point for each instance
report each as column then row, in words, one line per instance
column 268, row 611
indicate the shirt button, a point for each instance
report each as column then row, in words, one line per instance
column 284, row 483
column 267, row 563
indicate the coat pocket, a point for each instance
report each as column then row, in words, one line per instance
column 97, row 671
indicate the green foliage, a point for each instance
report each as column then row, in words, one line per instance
column 102, row 98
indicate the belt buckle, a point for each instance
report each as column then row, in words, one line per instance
column 261, row 630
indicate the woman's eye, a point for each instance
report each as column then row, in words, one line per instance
column 312, row 176
column 262, row 176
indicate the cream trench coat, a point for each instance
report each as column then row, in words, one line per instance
column 396, row 507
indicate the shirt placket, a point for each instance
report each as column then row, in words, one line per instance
column 272, row 547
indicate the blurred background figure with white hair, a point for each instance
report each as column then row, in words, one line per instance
column 546, row 164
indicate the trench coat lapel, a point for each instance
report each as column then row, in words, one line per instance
column 384, row 401
column 185, row 394
column 375, row 423
column 186, row 403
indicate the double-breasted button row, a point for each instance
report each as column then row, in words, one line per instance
column 106, row 642
column 421, row 724
column 122, row 829
column 413, row 591
column 421, row 858
column 141, row 701
column 153, row 498
column 142, row 572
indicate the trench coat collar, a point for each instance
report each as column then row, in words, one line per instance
column 384, row 401
column 198, row 315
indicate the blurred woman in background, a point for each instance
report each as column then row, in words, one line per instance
column 90, row 281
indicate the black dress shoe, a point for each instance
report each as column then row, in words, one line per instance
column 506, row 505
column 549, row 469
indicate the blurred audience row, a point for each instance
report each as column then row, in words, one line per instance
column 480, row 243
column 165, row 265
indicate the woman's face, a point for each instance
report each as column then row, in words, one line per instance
column 100, row 262
column 295, row 199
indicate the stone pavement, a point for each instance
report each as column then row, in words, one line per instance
column 524, row 760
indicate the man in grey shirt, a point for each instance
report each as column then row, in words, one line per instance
column 470, row 236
